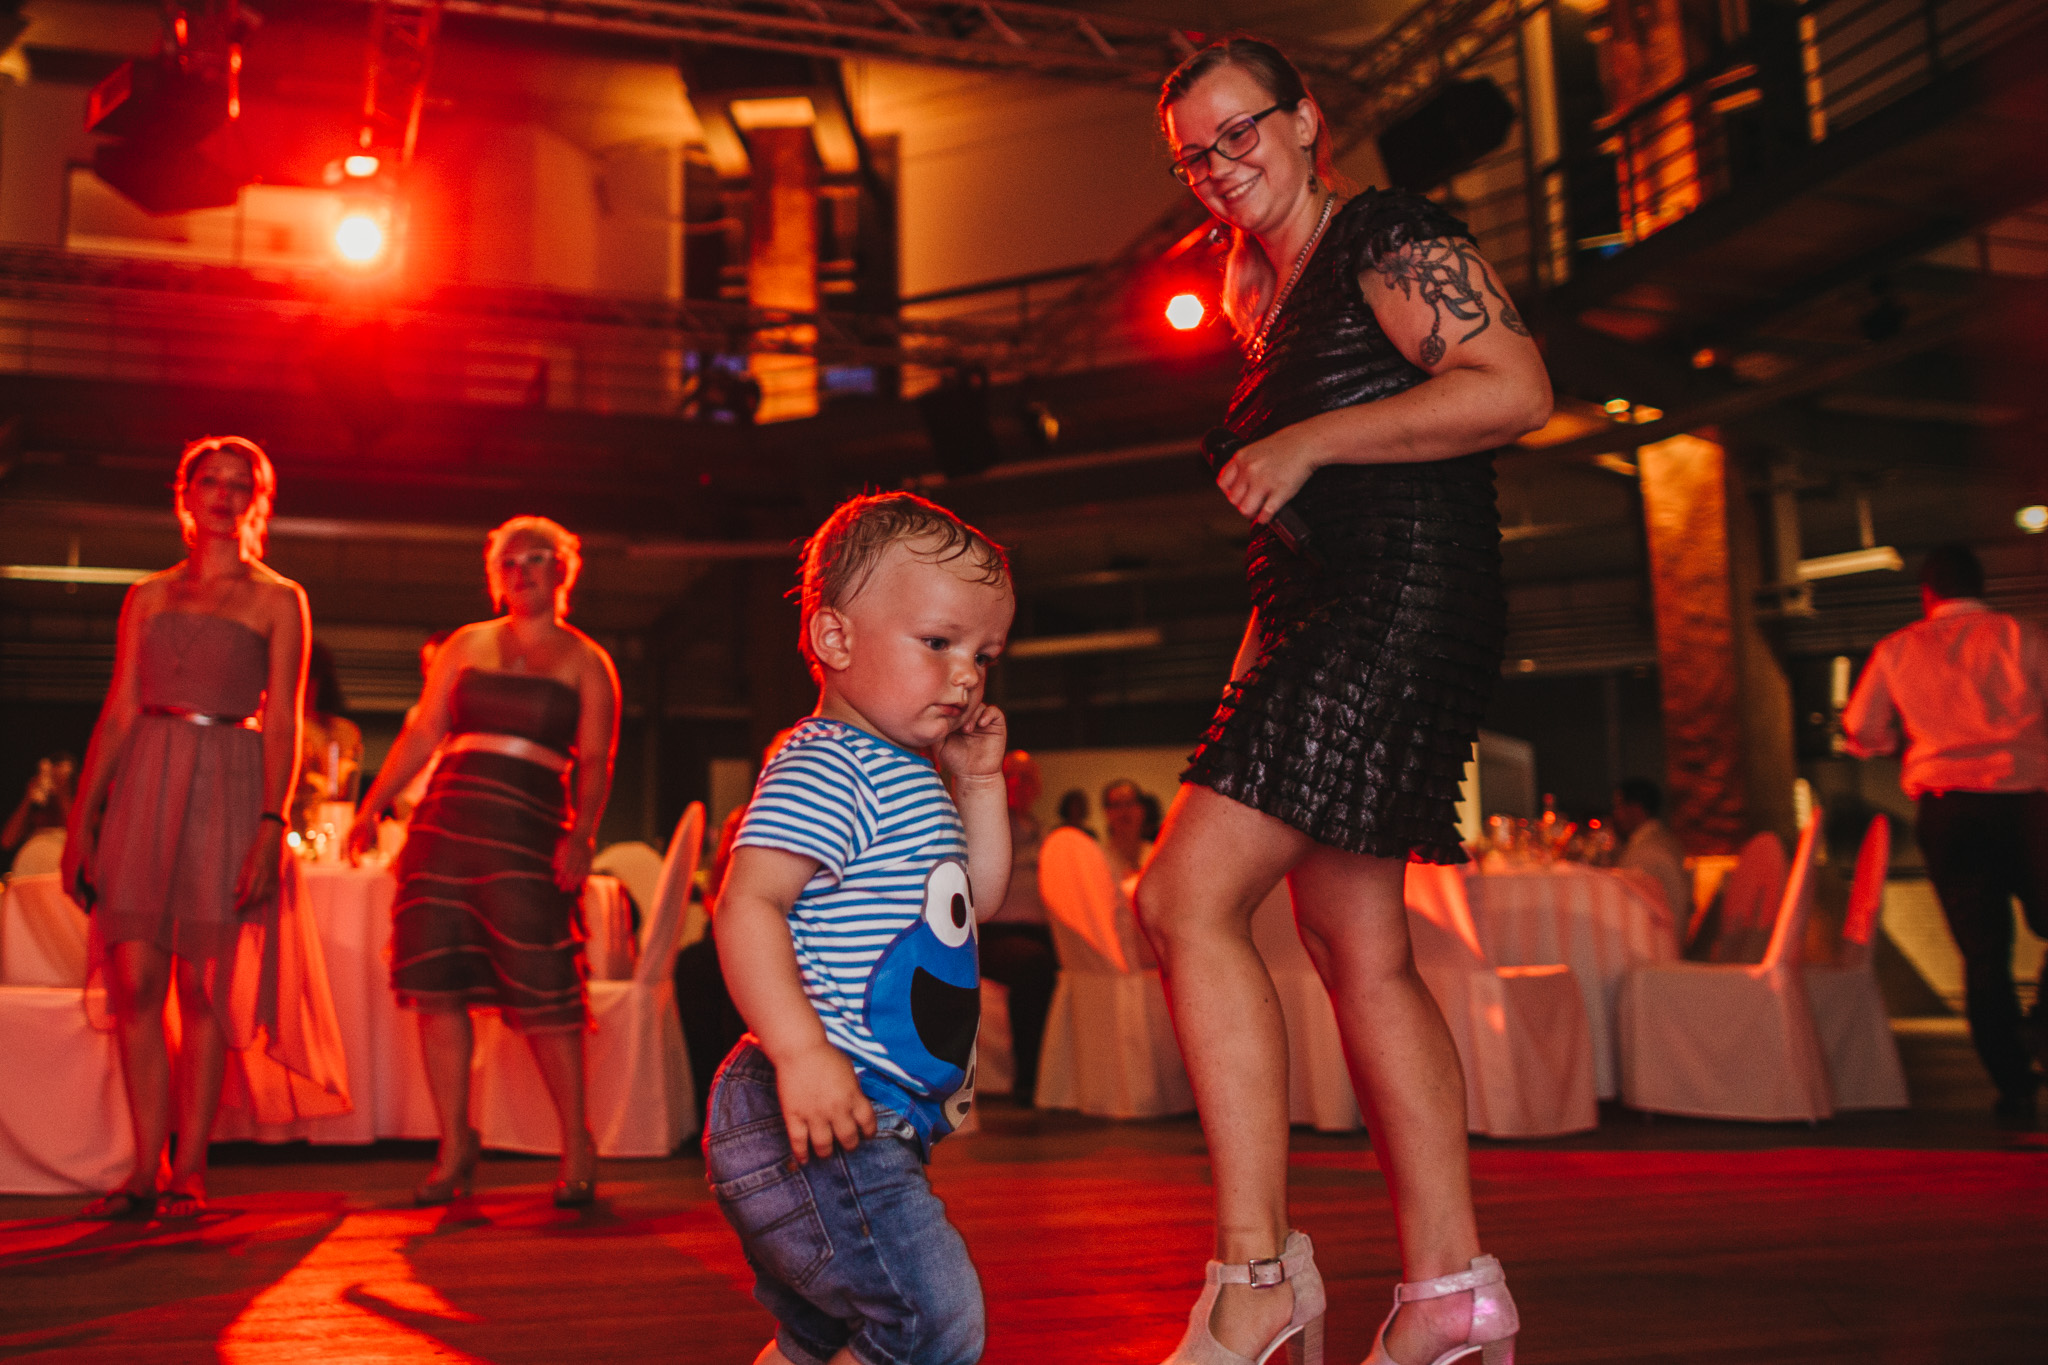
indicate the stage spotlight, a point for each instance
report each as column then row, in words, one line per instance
column 361, row 166
column 1185, row 312
column 359, row 238
column 2033, row 520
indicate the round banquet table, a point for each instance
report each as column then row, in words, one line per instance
column 1597, row 921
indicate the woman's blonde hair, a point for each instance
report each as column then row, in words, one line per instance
column 1249, row 280
column 567, row 546
column 256, row 522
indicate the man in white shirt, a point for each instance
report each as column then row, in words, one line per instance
column 1650, row 847
column 1965, row 690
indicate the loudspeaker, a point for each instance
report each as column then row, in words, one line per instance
column 1447, row 135
column 956, row 419
column 180, row 142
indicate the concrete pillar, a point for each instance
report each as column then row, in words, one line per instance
column 1727, row 705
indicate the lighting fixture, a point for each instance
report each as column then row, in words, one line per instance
column 2033, row 520
column 1185, row 312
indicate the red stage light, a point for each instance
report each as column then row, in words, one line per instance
column 359, row 238
column 361, row 166
column 1185, row 312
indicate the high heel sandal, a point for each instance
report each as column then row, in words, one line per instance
column 1303, row 1334
column 457, row 1180
column 1494, row 1320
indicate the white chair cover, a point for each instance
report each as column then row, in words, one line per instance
column 638, row 868
column 1848, row 1007
column 995, row 1059
column 1730, row 1040
column 1749, row 901
column 639, row 1092
column 1318, row 1083
column 40, row 853
column 609, row 947
column 1109, row 1047
column 42, row 934
column 63, row 1111
column 1521, row 1032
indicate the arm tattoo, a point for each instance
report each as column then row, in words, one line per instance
column 1448, row 275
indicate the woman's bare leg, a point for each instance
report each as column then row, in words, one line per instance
column 559, row 1053
column 1405, row 1069
column 1215, row 862
column 202, row 1055
column 448, row 1042
column 138, row 979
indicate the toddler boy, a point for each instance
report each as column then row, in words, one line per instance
column 846, row 930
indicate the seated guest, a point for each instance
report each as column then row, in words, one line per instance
column 330, row 744
column 1016, row 942
column 39, row 819
column 1124, row 816
column 1650, row 847
column 1074, row 812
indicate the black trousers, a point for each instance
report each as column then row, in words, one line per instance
column 1983, row 849
column 1020, row 956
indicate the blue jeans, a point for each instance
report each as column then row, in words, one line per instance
column 848, row 1250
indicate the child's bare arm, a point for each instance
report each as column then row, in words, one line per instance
column 973, row 757
column 821, row 1097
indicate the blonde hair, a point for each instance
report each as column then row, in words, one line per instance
column 567, row 546
column 1249, row 279
column 841, row 555
column 256, row 521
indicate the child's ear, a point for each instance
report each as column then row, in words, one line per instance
column 831, row 638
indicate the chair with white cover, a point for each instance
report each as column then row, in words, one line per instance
column 1730, row 1040
column 40, row 853
column 1749, row 902
column 63, row 1110
column 1521, row 1032
column 638, row 1089
column 636, row 865
column 1848, row 1008
column 1109, row 1047
column 1318, row 1083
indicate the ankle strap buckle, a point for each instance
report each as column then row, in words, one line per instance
column 1268, row 1272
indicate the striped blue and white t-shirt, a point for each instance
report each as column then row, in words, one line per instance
column 885, row 931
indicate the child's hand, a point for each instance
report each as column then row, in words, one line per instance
column 822, row 1102
column 976, row 749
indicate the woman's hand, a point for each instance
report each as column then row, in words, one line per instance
column 72, row 865
column 572, row 859
column 1265, row 475
column 976, row 748
column 260, row 870
column 362, row 834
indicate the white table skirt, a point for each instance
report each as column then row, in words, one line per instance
column 1599, row 923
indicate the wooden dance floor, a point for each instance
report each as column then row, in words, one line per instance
column 1906, row 1238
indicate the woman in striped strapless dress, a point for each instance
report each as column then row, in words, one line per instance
column 522, row 715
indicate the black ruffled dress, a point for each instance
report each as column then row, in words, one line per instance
column 1355, row 723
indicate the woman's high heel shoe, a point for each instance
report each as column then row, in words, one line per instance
column 1494, row 1320
column 1303, row 1334
column 457, row 1180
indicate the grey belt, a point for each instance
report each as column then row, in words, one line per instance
column 202, row 718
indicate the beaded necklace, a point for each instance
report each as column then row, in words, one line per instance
column 1257, row 350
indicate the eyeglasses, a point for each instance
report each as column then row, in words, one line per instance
column 533, row 561
column 1236, row 144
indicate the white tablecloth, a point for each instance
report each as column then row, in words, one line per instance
column 1597, row 922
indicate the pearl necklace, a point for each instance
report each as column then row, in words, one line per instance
column 1257, row 350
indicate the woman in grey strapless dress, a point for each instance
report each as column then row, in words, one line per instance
column 176, row 839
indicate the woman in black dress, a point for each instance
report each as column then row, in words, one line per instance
column 522, row 716
column 1384, row 365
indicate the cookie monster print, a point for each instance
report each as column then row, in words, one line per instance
column 924, row 999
